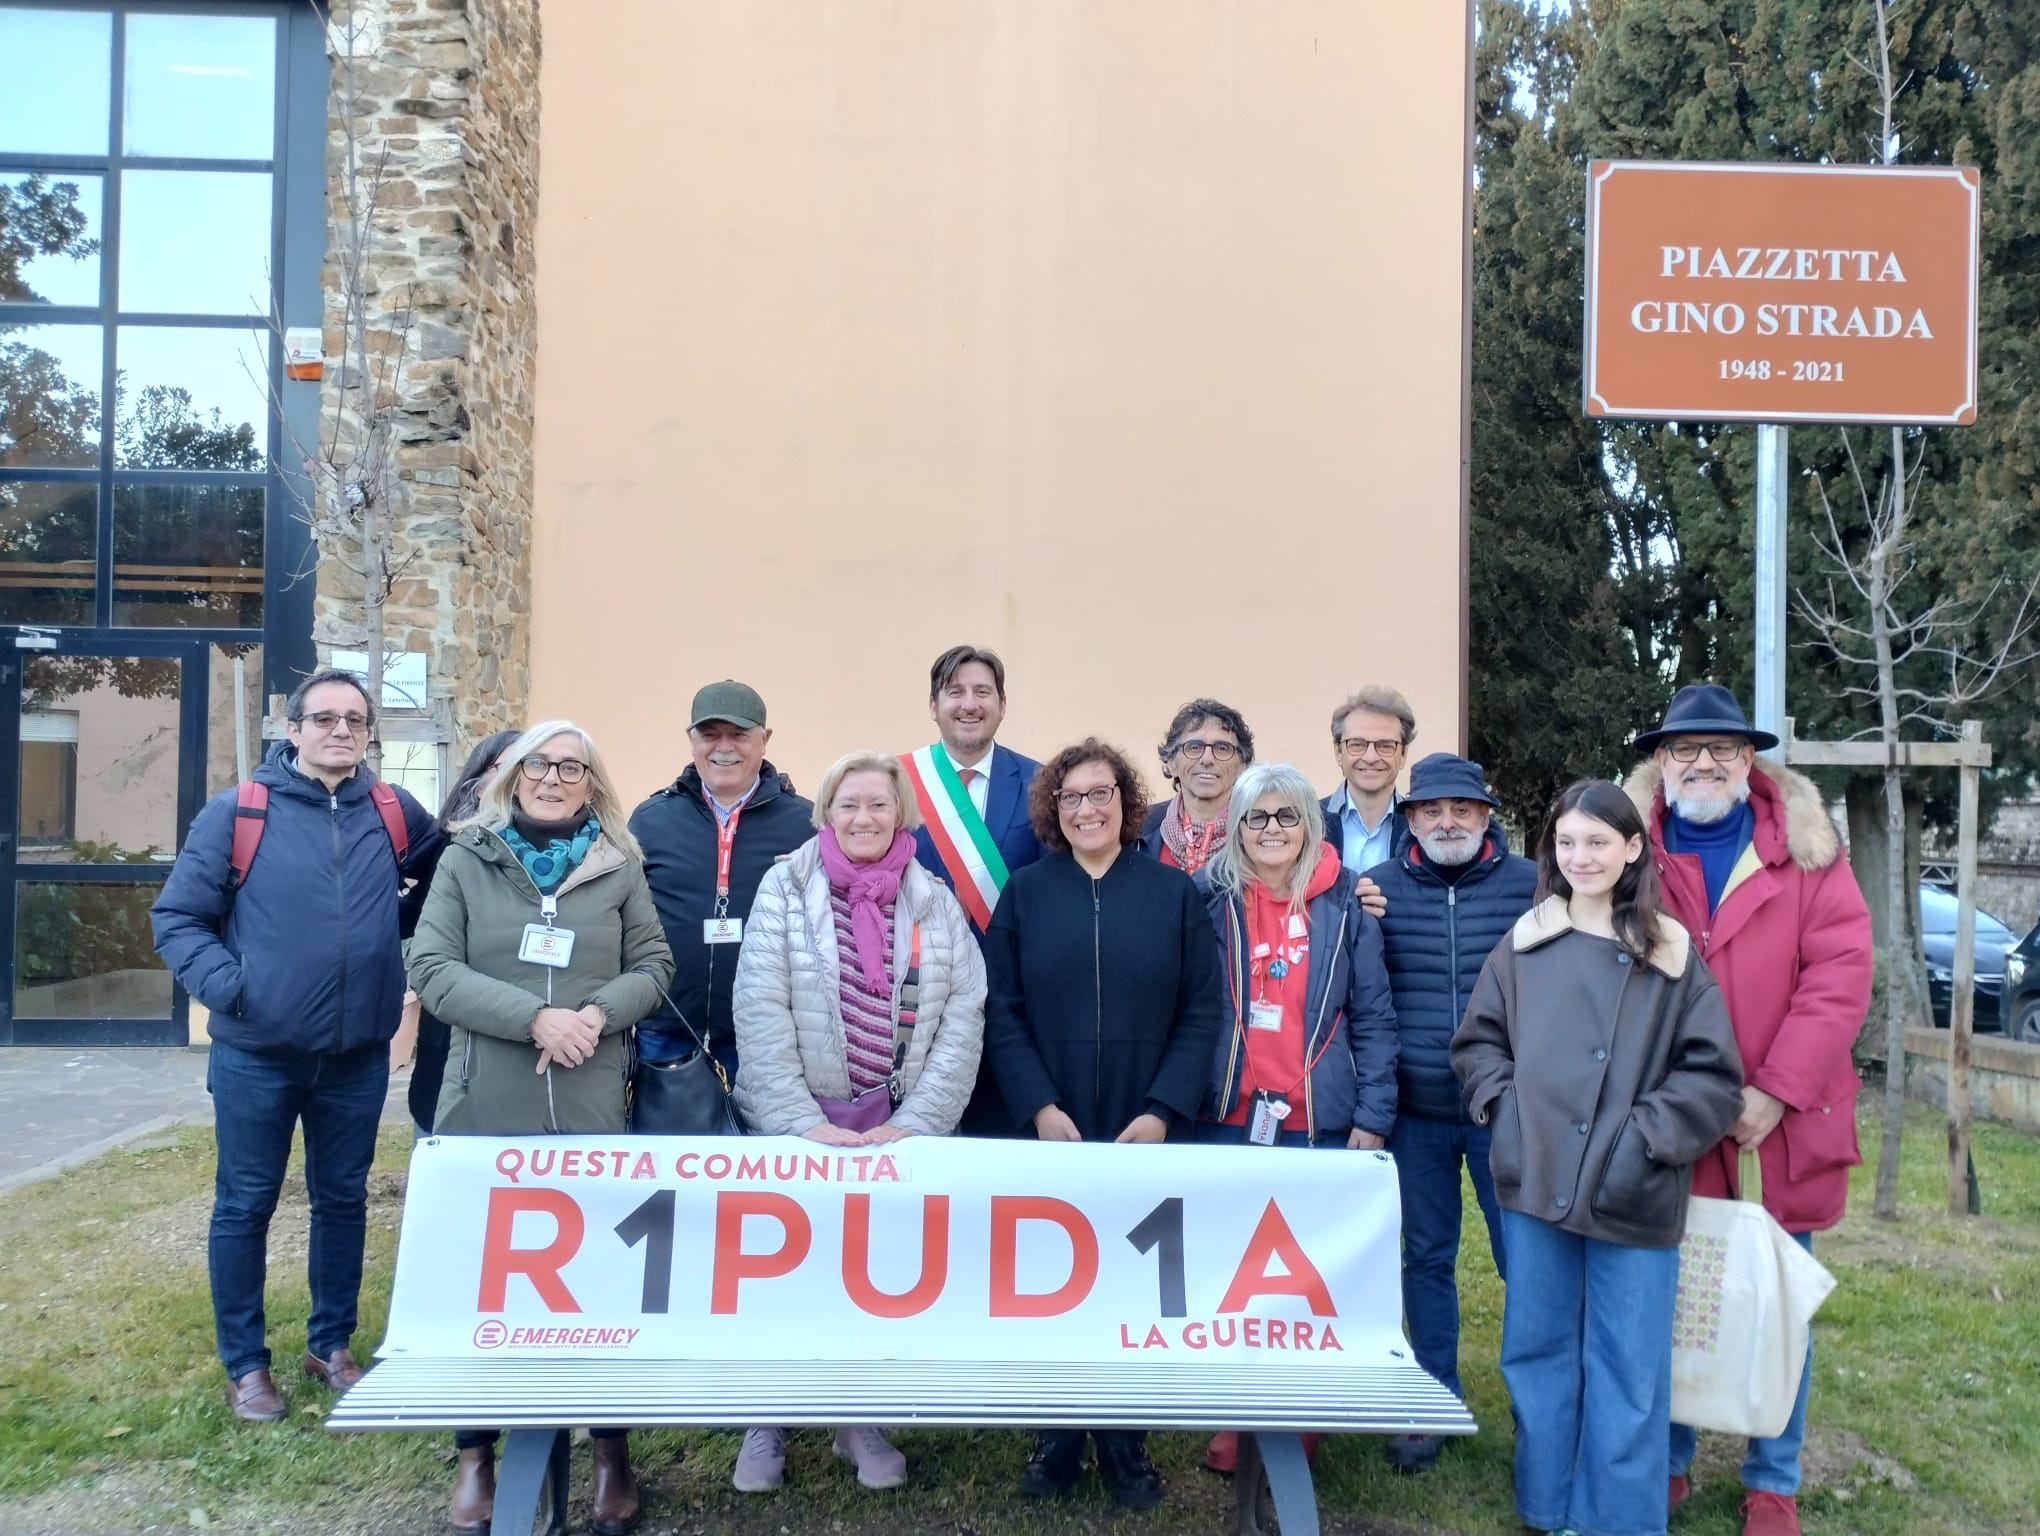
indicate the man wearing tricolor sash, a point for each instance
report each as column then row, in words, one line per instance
column 973, row 796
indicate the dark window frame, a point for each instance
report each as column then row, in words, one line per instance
column 297, row 240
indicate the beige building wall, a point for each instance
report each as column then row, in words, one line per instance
column 1123, row 336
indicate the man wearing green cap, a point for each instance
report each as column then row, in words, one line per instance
column 709, row 837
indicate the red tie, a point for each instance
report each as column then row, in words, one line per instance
column 969, row 776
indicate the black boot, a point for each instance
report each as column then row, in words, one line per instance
column 1054, row 1467
column 1123, row 1463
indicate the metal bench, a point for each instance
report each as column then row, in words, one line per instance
column 424, row 1380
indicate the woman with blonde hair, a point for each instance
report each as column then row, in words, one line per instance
column 540, row 948
column 860, row 1009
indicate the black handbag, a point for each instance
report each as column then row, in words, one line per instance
column 682, row 1098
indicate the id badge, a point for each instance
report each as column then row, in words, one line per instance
column 546, row 946
column 722, row 930
column 1264, row 1119
column 1266, row 1016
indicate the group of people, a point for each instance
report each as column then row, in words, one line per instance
column 964, row 940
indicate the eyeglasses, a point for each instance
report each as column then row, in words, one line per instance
column 1356, row 746
column 1221, row 751
column 1689, row 751
column 1288, row 816
column 326, row 719
column 571, row 770
column 1070, row 799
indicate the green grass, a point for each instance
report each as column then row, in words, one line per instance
column 1926, row 1406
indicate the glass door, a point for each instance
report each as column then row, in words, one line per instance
column 102, row 767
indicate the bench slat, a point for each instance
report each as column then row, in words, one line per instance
column 437, row 1393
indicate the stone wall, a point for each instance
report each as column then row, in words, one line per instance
column 2004, row 1076
column 442, row 96
column 2007, row 864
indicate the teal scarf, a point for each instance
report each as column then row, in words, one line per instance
column 550, row 865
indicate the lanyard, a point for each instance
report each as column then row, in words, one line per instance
column 725, row 844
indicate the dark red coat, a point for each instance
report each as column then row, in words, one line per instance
column 1790, row 946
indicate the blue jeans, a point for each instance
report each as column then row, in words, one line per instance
column 1427, row 1157
column 1587, row 1356
column 1769, row 1466
column 258, row 1101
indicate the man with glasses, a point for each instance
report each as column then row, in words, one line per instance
column 1207, row 745
column 1750, row 863
column 1371, row 734
column 282, row 917
column 708, row 839
column 1452, row 893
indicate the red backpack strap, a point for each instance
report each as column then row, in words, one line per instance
column 391, row 809
column 251, row 811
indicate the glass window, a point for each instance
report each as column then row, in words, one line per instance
column 49, row 540
column 194, row 242
column 192, row 398
column 233, row 730
column 56, row 81
column 49, row 395
column 188, row 556
column 122, row 714
column 49, row 237
column 49, row 779
column 200, row 87
column 84, row 951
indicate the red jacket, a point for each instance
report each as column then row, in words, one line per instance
column 1790, row 945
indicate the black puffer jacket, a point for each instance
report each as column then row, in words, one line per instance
column 676, row 829
column 1437, row 935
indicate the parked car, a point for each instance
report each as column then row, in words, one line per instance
column 2022, row 989
column 1937, row 937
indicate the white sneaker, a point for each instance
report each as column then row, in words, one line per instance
column 879, row 1463
column 761, row 1464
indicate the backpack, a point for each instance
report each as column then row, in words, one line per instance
column 251, row 813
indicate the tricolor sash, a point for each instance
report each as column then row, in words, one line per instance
column 963, row 842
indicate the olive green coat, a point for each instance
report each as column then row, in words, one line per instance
column 465, row 969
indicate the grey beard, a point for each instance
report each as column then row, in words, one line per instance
column 1706, row 809
column 1441, row 848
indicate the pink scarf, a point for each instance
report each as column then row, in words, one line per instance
column 870, row 888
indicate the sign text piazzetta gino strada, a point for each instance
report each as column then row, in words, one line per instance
column 1781, row 293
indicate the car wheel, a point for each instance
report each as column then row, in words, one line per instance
column 2027, row 1025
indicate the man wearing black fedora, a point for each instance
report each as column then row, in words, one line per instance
column 1750, row 863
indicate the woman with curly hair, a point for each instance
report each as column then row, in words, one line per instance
column 1102, row 1014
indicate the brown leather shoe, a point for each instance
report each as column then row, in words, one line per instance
column 338, row 1370
column 474, row 1492
column 254, row 1397
column 614, row 1510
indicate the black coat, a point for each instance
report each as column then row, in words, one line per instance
column 1437, row 935
column 1104, row 995
column 676, row 829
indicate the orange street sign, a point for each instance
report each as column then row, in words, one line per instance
column 1781, row 293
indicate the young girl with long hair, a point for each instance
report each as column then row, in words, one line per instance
column 1598, row 1048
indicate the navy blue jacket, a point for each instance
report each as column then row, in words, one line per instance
column 304, row 958
column 1012, row 776
column 1335, row 824
column 1352, row 1039
column 1437, row 937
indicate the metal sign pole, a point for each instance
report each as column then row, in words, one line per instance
column 1772, row 464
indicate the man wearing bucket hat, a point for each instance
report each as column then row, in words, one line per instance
column 1752, row 866
column 1452, row 891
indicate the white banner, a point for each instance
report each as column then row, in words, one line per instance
column 927, row 1249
